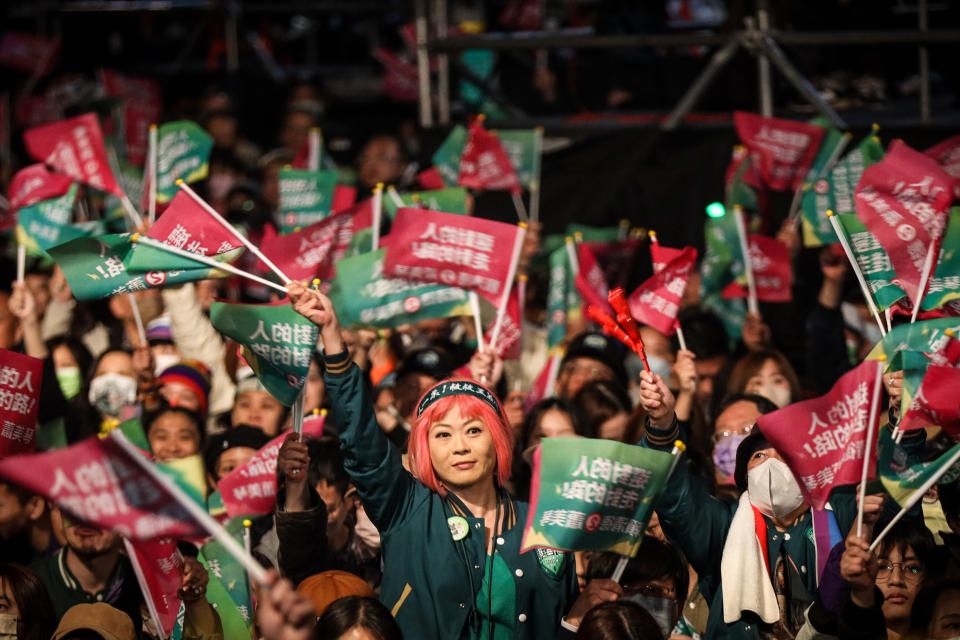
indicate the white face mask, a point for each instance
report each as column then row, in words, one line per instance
column 8, row 626
column 775, row 394
column 773, row 489
column 164, row 361
column 110, row 393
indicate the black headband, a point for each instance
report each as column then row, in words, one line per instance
column 457, row 388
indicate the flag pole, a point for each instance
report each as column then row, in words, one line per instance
column 868, row 444
column 137, row 319
column 195, row 511
column 316, row 142
column 21, row 261
column 135, row 217
column 747, row 263
column 518, row 205
column 222, row 266
column 678, row 448
column 297, row 416
column 924, row 279
column 377, row 214
column 842, row 237
column 511, row 275
column 535, row 186
column 229, row 227
column 827, row 168
column 917, row 496
column 888, row 316
column 151, row 174
column 477, row 325
column 144, row 588
column 394, row 196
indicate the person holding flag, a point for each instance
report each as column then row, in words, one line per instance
column 455, row 569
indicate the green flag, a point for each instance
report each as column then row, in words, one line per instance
column 183, row 153
column 52, row 435
column 447, row 158
column 945, row 284
column 593, row 495
column 361, row 242
column 901, row 477
column 96, row 267
column 873, row 261
column 449, row 200
column 134, row 432
column 190, row 476
column 835, row 192
column 595, row 234
column 557, row 297
column 914, row 366
column 236, row 622
column 230, row 573
column 523, row 148
column 926, row 336
column 46, row 224
column 364, row 298
column 277, row 341
column 723, row 259
column 305, row 197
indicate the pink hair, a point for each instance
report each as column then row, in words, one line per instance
column 421, row 465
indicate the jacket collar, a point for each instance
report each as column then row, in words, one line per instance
column 510, row 508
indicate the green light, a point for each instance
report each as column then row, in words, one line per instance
column 715, row 210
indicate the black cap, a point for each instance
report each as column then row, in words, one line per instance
column 750, row 445
column 602, row 348
column 239, row 436
column 435, row 363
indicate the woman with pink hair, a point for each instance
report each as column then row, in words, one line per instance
column 451, row 533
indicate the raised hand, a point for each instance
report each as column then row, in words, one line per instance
column 318, row 309
column 656, row 399
column 282, row 613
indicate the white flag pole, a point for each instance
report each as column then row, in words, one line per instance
column 222, row 266
column 477, row 325
column 21, row 261
column 869, row 443
column 229, row 227
column 151, row 174
column 511, row 275
column 739, row 214
column 924, row 279
column 315, row 145
column 852, row 259
column 137, row 319
column 377, row 214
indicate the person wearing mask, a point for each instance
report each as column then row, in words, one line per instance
column 455, row 569
column 26, row 612
column 736, row 417
column 113, row 387
column 766, row 373
column 590, row 356
column 758, row 558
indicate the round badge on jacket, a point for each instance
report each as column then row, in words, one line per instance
column 458, row 527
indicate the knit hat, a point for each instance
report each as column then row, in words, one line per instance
column 601, row 348
column 109, row 622
column 190, row 373
column 750, row 445
column 158, row 330
column 240, row 436
column 324, row 588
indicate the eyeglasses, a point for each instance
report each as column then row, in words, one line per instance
column 652, row 591
column 723, row 435
column 911, row 572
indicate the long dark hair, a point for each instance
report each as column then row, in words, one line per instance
column 37, row 620
column 353, row 611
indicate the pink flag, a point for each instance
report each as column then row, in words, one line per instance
column 484, row 163
column 33, row 184
column 460, row 251
column 616, row 259
column 590, row 280
column 543, row 385
column 313, row 252
column 98, row 482
column 74, row 147
column 935, row 402
column 656, row 302
column 509, row 341
column 399, row 76
column 20, row 379
column 159, row 569
column 344, row 197
column 251, row 488
column 142, row 107
column 947, row 155
column 822, row 440
column 782, row 150
column 904, row 201
column 661, row 255
column 772, row 272
column 430, row 178
column 186, row 225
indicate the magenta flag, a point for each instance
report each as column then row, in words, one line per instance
column 159, row 569
column 143, row 106
column 186, row 225
column 590, row 280
column 485, row 164
column 313, row 252
column 74, row 147
column 947, row 155
column 935, row 402
column 98, row 482
column 656, row 302
column 33, row 184
column 470, row 253
column 509, row 341
column 904, row 201
column 781, row 150
column 772, row 271
column 822, row 440
column 20, row 378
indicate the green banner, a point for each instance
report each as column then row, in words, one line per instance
column 277, row 341
column 305, row 197
column 46, row 224
column 236, row 622
column 593, row 495
column 557, row 297
column 447, row 158
column 723, row 259
column 523, row 148
column 449, row 200
column 229, row 572
column 901, row 478
column 945, row 283
column 183, row 153
column 364, row 298
column 926, row 336
column 873, row 260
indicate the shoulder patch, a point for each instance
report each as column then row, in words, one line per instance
column 550, row 559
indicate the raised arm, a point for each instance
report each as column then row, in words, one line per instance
column 386, row 488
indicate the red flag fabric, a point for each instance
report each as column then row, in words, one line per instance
column 616, row 259
column 302, row 159
column 782, row 150
column 661, row 255
column 509, row 341
column 656, row 302
column 470, row 253
column 543, row 385
column 75, row 148
column 20, row 379
column 185, row 225
column 935, row 402
column 98, row 482
column 399, row 76
column 822, row 440
column 159, row 569
column 142, row 107
column 484, row 163
column 251, row 488
column 590, row 280
column 904, row 201
column 313, row 252
column 33, row 184
column 29, row 53
column 344, row 197
column 947, row 155
column 431, row 179
column 772, row 271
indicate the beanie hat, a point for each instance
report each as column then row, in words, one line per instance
column 601, row 348
column 190, row 373
column 159, row 330
column 750, row 445
column 324, row 588
column 240, row 436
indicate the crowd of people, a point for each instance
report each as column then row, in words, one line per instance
column 405, row 518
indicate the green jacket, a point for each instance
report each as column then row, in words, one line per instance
column 430, row 582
